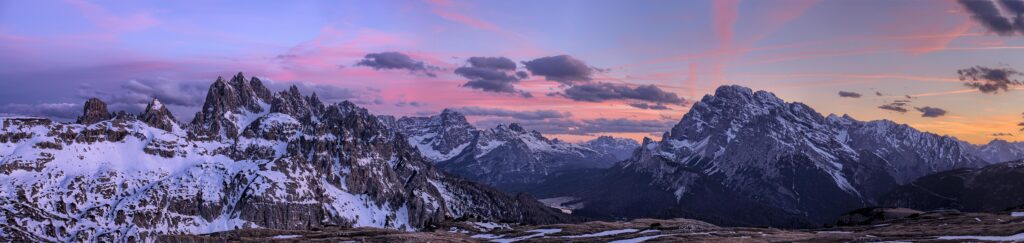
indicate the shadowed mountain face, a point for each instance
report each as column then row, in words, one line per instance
column 991, row 189
column 250, row 158
column 748, row 158
column 507, row 156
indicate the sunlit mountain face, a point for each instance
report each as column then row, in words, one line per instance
column 448, row 120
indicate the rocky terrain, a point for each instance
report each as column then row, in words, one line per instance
column 507, row 156
column 938, row 226
column 745, row 158
column 250, row 158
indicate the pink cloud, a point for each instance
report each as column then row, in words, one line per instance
column 109, row 21
column 724, row 14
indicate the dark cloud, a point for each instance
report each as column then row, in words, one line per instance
column 492, row 74
column 587, row 127
column 849, row 94
column 896, row 106
column 989, row 80
column 909, row 97
column 929, row 111
column 410, row 103
column 1021, row 125
column 878, row 93
column 1002, row 134
column 563, row 69
column 989, row 15
column 519, row 115
column 598, row 92
column 395, row 60
column 647, row 106
column 57, row 111
column 1016, row 7
column 499, row 63
column 328, row 93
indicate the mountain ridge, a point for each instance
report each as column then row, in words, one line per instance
column 250, row 158
column 740, row 157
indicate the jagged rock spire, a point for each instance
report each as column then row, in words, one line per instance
column 158, row 116
column 95, row 110
column 292, row 102
column 237, row 97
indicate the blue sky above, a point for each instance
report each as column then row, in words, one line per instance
column 55, row 54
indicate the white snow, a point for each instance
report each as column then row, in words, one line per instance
column 157, row 105
column 1017, row 214
column 488, row 226
column 286, row 236
column 604, row 233
column 536, row 233
column 486, row 236
column 1017, row 237
column 638, row 239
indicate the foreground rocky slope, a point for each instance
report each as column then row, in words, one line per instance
column 506, row 156
column 992, row 188
column 740, row 157
column 940, row 226
column 250, row 158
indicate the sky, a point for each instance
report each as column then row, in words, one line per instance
column 570, row 69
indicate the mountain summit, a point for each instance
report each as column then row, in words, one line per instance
column 740, row 157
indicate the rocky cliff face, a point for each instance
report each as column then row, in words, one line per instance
column 748, row 158
column 93, row 111
column 249, row 159
column 156, row 115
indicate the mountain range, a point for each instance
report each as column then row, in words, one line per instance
column 281, row 160
column 746, row 158
column 249, row 158
column 507, row 156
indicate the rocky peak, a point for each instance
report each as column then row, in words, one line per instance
column 94, row 110
column 292, row 102
column 449, row 117
column 621, row 148
column 733, row 106
column 157, row 115
column 438, row 137
column 998, row 142
column 516, row 127
column 229, row 107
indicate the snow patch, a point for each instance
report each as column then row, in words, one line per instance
column 604, row 233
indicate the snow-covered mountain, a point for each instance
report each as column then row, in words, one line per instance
column 250, row 158
column 621, row 148
column 998, row 150
column 740, row 157
column 502, row 156
column 438, row 137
